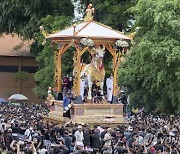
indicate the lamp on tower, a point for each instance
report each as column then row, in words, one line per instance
column 122, row 45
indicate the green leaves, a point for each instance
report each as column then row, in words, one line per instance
column 45, row 53
column 25, row 18
column 22, row 76
column 152, row 70
column 113, row 13
column 22, row 17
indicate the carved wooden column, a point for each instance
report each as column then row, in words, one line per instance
column 78, row 71
column 115, row 74
column 56, row 68
column 62, row 49
column 59, row 69
column 114, row 54
column 79, row 54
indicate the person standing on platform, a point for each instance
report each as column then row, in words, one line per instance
column 65, row 83
column 109, row 85
column 82, row 86
column 123, row 100
column 67, row 105
column 70, row 83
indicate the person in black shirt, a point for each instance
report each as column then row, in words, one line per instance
column 68, row 141
column 8, row 138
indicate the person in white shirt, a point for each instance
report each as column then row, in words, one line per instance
column 107, row 140
column 109, row 85
column 79, row 135
column 29, row 132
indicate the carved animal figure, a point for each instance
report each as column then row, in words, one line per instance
column 94, row 72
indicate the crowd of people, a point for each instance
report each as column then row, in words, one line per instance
column 22, row 130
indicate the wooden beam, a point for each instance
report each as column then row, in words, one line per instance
column 110, row 49
column 66, row 47
column 115, row 75
column 86, row 48
column 81, row 28
column 91, row 53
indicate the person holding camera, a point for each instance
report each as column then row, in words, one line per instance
column 19, row 147
column 120, row 147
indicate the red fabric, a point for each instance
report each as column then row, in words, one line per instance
column 101, row 67
column 65, row 81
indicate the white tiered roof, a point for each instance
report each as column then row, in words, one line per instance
column 93, row 30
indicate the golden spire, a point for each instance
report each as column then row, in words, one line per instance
column 89, row 13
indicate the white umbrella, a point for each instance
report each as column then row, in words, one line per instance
column 18, row 97
column 2, row 100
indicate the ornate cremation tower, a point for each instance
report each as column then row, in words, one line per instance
column 101, row 35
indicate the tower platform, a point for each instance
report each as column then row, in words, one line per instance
column 108, row 114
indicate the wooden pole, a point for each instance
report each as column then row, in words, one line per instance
column 62, row 49
column 59, row 74
column 115, row 74
column 114, row 54
column 59, row 82
column 78, row 72
column 79, row 54
column 56, row 69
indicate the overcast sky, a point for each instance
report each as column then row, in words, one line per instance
column 78, row 15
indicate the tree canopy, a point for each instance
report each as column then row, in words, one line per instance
column 22, row 16
column 45, row 52
column 152, row 71
column 25, row 18
column 113, row 13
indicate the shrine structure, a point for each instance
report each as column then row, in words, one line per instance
column 87, row 36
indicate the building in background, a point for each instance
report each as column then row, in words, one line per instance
column 17, row 68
